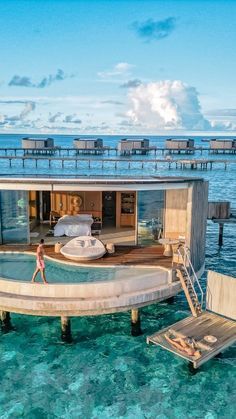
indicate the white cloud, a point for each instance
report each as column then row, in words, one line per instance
column 150, row 108
column 29, row 107
column 222, row 119
column 170, row 105
column 17, row 119
column 120, row 69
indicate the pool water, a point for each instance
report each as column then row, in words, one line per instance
column 21, row 267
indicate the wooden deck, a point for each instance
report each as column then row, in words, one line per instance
column 124, row 255
column 198, row 327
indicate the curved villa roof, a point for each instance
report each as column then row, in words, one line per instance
column 96, row 183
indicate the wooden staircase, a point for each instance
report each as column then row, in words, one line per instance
column 189, row 281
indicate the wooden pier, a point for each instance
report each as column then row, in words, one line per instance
column 72, row 151
column 220, row 212
column 170, row 163
column 211, row 331
column 207, row 324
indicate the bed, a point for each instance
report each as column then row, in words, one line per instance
column 74, row 225
column 83, row 248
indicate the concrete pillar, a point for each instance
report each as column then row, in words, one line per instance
column 5, row 320
column 65, row 329
column 221, row 230
column 135, row 322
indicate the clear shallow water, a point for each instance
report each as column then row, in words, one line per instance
column 106, row 373
column 21, row 267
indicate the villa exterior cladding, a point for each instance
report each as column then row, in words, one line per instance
column 88, row 143
column 133, row 146
column 37, row 143
column 185, row 145
column 221, row 144
column 153, row 207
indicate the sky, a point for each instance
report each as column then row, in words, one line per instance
column 118, row 66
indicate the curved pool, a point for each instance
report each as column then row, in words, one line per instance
column 20, row 267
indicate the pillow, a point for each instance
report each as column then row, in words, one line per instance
column 87, row 243
column 79, row 243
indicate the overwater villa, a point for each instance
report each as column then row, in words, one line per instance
column 127, row 147
column 125, row 243
column 142, row 219
column 89, row 145
column 178, row 145
column 222, row 145
column 37, row 145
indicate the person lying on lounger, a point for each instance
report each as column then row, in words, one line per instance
column 184, row 346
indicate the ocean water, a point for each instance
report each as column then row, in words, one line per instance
column 106, row 373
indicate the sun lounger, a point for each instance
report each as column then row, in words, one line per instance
column 83, row 248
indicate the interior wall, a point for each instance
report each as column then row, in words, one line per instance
column 73, row 203
column 175, row 214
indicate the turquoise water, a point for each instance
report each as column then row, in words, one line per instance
column 106, row 373
column 21, row 267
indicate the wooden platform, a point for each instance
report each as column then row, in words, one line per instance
column 198, row 327
column 192, row 164
column 124, row 255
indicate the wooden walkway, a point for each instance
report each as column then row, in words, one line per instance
column 71, row 151
column 197, row 327
column 124, row 255
column 128, row 163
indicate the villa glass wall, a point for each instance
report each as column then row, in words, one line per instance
column 150, row 206
column 14, row 217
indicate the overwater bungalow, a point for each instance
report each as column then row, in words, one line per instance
column 88, row 145
column 142, row 221
column 222, row 145
column 130, row 146
column 178, row 145
column 37, row 145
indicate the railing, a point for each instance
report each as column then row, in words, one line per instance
column 184, row 253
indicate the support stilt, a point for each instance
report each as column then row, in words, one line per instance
column 221, row 231
column 5, row 321
column 135, row 322
column 66, row 329
column 170, row 300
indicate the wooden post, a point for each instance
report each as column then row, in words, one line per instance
column 5, row 320
column 65, row 329
column 135, row 322
column 221, row 231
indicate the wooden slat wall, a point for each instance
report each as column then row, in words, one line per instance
column 218, row 210
column 62, row 203
column 196, row 222
column 32, row 204
column 175, row 216
column 221, row 294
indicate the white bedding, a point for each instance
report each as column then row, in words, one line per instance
column 74, row 225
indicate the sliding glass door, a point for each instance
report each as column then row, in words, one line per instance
column 14, row 219
column 150, row 210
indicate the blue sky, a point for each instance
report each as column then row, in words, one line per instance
column 121, row 66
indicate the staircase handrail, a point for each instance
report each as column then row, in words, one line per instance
column 187, row 258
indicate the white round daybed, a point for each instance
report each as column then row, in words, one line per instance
column 83, row 248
